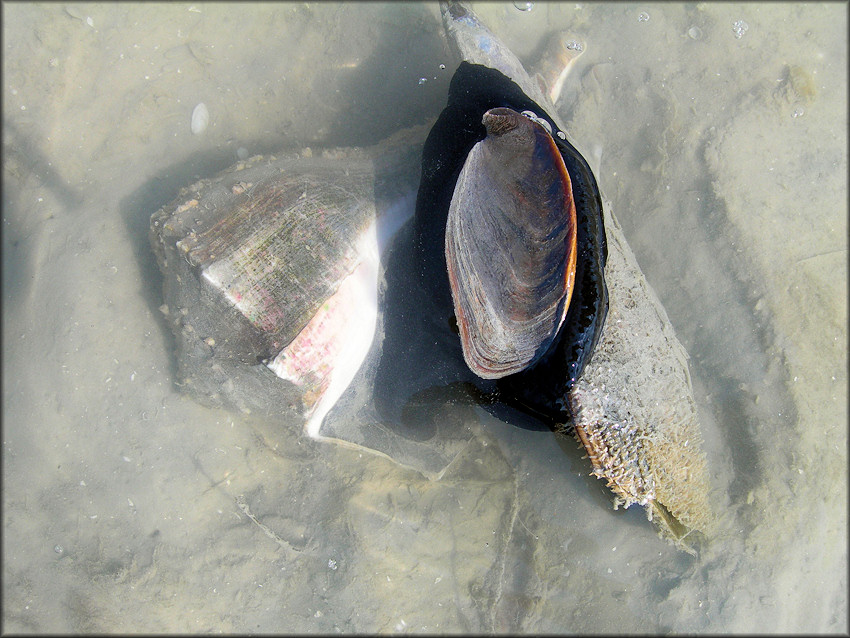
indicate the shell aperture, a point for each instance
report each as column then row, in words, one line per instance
column 510, row 245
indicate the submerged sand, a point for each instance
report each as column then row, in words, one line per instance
column 128, row 507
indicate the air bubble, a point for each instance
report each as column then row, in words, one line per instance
column 524, row 6
column 695, row 33
column 422, row 81
column 739, row 28
column 531, row 115
column 643, row 17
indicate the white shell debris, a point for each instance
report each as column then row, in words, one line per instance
column 200, row 118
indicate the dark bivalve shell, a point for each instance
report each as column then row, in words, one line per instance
column 511, row 245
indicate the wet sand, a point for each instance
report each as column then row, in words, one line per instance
column 128, row 507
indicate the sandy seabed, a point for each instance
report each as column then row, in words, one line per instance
column 128, row 507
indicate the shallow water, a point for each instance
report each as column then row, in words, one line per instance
column 128, row 507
